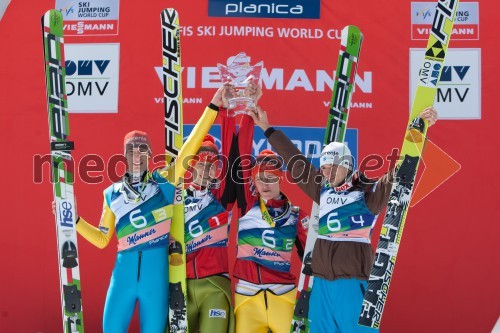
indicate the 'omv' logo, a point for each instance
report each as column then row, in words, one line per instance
column 300, row 9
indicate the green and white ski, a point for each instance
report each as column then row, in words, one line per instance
column 411, row 152
column 62, row 171
column 336, row 127
column 172, row 92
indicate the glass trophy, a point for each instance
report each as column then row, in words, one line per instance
column 238, row 73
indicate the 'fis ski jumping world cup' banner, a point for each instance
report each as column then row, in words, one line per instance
column 89, row 18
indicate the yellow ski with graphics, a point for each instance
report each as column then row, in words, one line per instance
column 411, row 152
column 172, row 91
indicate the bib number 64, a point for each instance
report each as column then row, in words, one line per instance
column 334, row 224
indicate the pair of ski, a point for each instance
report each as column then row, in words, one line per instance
column 63, row 178
column 411, row 152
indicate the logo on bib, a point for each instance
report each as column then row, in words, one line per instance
column 217, row 313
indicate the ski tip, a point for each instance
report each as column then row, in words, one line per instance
column 170, row 11
column 47, row 13
column 52, row 18
column 169, row 16
column 351, row 29
column 52, row 22
column 351, row 36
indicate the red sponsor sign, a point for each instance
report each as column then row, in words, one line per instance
column 461, row 32
column 91, row 28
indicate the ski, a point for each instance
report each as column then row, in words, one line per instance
column 172, row 93
column 343, row 88
column 413, row 145
column 62, row 168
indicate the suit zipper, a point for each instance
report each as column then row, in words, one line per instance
column 195, row 271
column 139, row 266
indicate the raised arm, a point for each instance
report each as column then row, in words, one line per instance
column 307, row 177
column 193, row 142
column 300, row 241
column 237, row 151
column 378, row 194
column 225, row 192
column 247, row 195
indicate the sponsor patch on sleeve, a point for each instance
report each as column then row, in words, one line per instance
column 216, row 313
column 305, row 222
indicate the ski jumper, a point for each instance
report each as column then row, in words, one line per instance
column 206, row 230
column 343, row 255
column 141, row 269
column 265, row 291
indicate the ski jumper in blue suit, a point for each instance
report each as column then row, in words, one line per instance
column 141, row 266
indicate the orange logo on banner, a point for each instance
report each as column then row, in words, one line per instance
column 439, row 167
